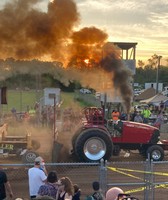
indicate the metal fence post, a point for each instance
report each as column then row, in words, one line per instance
column 152, row 181
column 148, row 180
column 103, row 176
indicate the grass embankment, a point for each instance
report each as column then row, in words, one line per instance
column 21, row 100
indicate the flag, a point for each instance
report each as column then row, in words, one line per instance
column 3, row 92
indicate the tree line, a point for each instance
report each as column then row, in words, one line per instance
column 38, row 75
column 148, row 72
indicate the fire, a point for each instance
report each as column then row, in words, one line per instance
column 86, row 61
column 53, row 35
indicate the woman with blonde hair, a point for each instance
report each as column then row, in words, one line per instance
column 65, row 189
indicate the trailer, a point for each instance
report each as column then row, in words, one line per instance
column 21, row 146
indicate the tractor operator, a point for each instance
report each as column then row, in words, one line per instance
column 115, row 115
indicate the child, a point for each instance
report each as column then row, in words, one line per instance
column 97, row 195
column 77, row 192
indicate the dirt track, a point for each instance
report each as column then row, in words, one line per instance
column 44, row 135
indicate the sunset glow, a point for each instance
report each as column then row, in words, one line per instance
column 122, row 21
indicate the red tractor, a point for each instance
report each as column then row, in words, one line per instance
column 99, row 138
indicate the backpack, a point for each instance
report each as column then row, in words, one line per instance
column 97, row 196
column 89, row 197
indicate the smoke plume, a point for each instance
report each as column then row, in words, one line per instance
column 27, row 33
column 121, row 76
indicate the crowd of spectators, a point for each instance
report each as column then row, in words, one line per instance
column 46, row 185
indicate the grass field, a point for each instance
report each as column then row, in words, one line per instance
column 20, row 100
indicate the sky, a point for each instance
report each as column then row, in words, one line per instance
column 130, row 21
column 126, row 21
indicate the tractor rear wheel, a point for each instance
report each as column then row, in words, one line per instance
column 93, row 145
column 155, row 152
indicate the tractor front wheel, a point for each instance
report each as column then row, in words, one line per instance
column 155, row 152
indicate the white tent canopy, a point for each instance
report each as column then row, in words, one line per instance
column 155, row 99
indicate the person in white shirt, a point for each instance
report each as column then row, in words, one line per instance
column 37, row 176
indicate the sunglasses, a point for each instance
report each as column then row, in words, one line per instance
column 129, row 198
column 123, row 196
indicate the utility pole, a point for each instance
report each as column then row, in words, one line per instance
column 54, row 118
column 157, row 73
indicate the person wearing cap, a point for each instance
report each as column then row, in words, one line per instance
column 37, row 176
column 115, row 115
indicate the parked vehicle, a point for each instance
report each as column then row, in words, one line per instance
column 99, row 138
column 98, row 95
column 85, row 91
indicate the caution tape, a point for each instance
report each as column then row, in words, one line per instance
column 162, row 186
column 140, row 189
column 138, row 171
column 143, row 188
column 130, row 175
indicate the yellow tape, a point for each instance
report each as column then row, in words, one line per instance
column 135, row 190
column 139, row 171
column 162, row 185
column 120, row 170
column 130, row 175
column 143, row 188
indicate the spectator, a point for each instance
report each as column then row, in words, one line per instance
column 50, row 187
column 13, row 110
column 77, row 192
column 113, row 193
column 159, row 120
column 124, row 116
column 133, row 114
column 37, row 176
column 45, row 197
column 65, row 189
column 4, row 185
column 162, row 106
column 138, row 117
column 32, row 115
column 97, row 195
column 44, row 116
column 146, row 114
